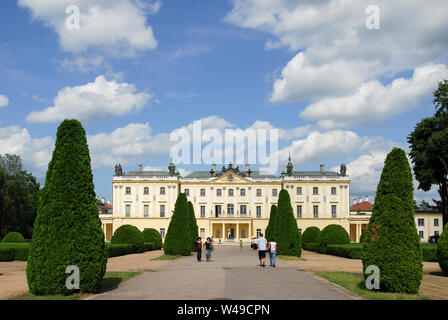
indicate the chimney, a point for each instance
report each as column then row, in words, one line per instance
column 247, row 167
column 360, row 199
column 366, row 198
column 355, row 201
column 214, row 167
column 322, row 168
column 108, row 202
column 140, row 168
column 102, row 199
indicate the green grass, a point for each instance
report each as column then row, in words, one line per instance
column 110, row 281
column 294, row 258
column 167, row 257
column 356, row 284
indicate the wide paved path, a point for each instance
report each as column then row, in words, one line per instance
column 233, row 274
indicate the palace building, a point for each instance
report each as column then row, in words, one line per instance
column 230, row 204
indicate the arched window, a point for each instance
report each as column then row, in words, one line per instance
column 202, row 192
column 146, row 190
column 274, row 192
column 218, row 192
column 128, row 190
column 333, row 190
column 230, row 192
column 243, row 192
column 315, row 190
column 187, row 192
column 162, row 190
column 258, row 192
column 299, row 190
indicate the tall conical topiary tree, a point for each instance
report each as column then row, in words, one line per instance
column 193, row 226
column 287, row 233
column 391, row 241
column 178, row 238
column 67, row 230
column 270, row 229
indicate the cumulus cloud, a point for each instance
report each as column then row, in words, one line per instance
column 114, row 27
column 4, row 101
column 35, row 152
column 98, row 99
column 375, row 102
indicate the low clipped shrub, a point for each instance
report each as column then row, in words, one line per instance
column 311, row 246
column 351, row 250
column 311, row 235
column 13, row 237
column 7, row 254
column 332, row 234
column 363, row 236
column 118, row 249
column 152, row 235
column 442, row 251
column 429, row 252
column 131, row 235
column 150, row 246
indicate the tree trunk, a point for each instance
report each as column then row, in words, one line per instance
column 444, row 198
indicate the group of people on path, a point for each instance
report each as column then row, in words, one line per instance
column 263, row 247
column 207, row 246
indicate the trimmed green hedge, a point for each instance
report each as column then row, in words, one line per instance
column 13, row 237
column 152, row 235
column 20, row 251
column 121, row 249
column 311, row 235
column 332, row 234
column 429, row 252
column 351, row 251
column 311, row 246
column 129, row 234
column 7, row 253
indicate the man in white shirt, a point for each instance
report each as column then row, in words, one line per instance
column 262, row 249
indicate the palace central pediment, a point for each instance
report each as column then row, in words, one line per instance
column 231, row 178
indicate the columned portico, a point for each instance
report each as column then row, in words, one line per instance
column 231, row 230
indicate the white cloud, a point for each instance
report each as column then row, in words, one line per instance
column 35, row 153
column 98, row 99
column 374, row 102
column 4, row 101
column 114, row 27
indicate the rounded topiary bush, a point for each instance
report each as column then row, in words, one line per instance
column 13, row 237
column 129, row 234
column 152, row 235
column 332, row 234
column 311, row 235
column 363, row 236
column 442, row 251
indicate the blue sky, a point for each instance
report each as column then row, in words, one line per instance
column 340, row 92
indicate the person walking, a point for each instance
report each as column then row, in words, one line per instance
column 199, row 249
column 272, row 251
column 262, row 250
column 208, row 249
column 241, row 244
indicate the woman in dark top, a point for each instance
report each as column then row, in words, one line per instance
column 199, row 248
column 208, row 249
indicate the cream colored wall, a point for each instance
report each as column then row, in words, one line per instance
column 137, row 199
column 429, row 228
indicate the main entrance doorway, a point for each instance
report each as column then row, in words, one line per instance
column 231, row 234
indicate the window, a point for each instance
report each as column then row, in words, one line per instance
column 316, row 211
column 217, row 211
column 421, row 234
column 258, row 192
column 202, row 211
column 315, row 190
column 243, row 210
column 218, row 192
column 299, row 190
column 333, row 211
column 202, row 233
column 436, row 222
column 187, row 192
column 230, row 209
column 421, row 222
column 258, row 211
column 242, row 192
column 436, row 233
column 230, row 192
column 128, row 210
column 274, row 192
column 146, row 211
column 146, row 190
column 128, row 190
column 202, row 192
column 258, row 233
column 162, row 190
column 299, row 211
column 333, row 190
column 162, row 210
column 162, row 232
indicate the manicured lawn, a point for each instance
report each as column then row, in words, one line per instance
column 356, row 284
column 294, row 258
column 167, row 257
column 111, row 280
